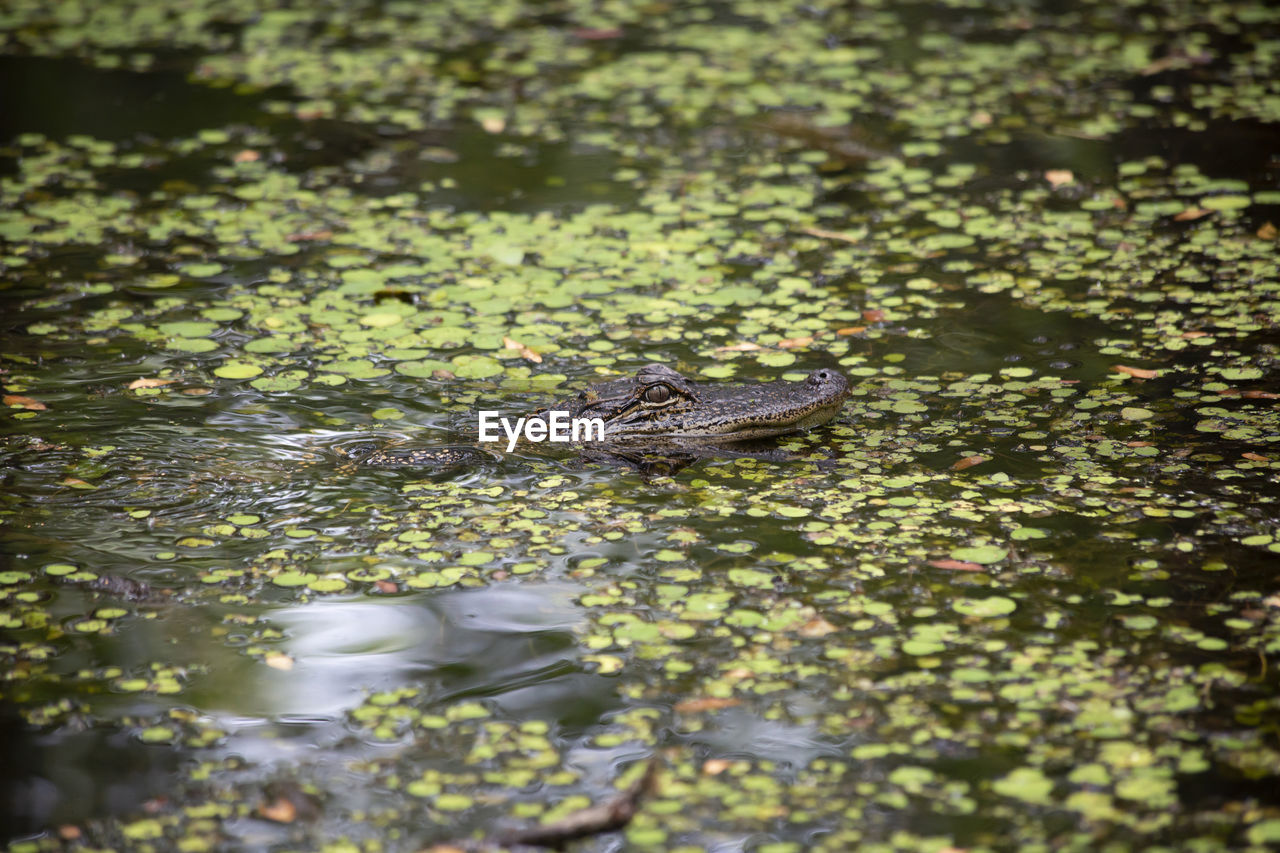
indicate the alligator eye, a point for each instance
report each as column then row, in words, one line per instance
column 657, row 394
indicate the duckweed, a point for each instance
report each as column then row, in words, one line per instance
column 1018, row 592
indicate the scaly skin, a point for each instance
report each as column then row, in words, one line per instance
column 659, row 403
column 658, row 411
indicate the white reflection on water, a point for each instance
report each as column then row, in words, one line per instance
column 480, row 642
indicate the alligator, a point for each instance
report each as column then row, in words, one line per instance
column 658, row 413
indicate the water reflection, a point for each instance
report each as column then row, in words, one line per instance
column 65, row 96
column 471, row 642
column 512, row 646
column 737, row 733
column 61, row 778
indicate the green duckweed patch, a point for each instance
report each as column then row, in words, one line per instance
column 1018, row 592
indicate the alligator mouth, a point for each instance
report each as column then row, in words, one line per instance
column 766, row 428
column 733, row 428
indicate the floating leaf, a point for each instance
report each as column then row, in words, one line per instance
column 20, row 402
column 995, row 605
column 237, row 370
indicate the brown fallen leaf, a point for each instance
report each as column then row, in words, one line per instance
column 280, row 810
column 706, row 703
column 1255, row 457
column 596, row 33
column 155, row 805
column 969, row 462
column 1138, row 372
column 956, row 565
column 817, row 627
column 525, row 352
column 834, row 235
column 873, row 315
column 1260, row 395
column 278, row 660
column 792, row 343
column 22, row 402
column 76, row 483
column 304, row 236
column 149, row 383
column 1164, row 63
column 1191, row 213
column 1059, row 177
column 1268, row 231
column 1139, row 444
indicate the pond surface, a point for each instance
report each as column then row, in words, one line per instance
column 1022, row 591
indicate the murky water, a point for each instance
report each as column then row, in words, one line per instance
column 1021, row 591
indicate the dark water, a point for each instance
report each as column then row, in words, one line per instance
column 1141, row 607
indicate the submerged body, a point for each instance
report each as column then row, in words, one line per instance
column 659, row 411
